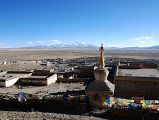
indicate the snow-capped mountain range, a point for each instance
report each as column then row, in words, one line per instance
column 75, row 45
column 59, row 44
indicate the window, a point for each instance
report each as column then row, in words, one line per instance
column 127, row 74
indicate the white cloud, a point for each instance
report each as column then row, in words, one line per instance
column 144, row 39
column 52, row 42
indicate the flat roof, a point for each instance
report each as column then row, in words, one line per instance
column 38, row 77
column 10, row 76
column 139, row 72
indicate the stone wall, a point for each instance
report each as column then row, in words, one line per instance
column 85, row 72
column 127, row 87
column 66, row 80
column 33, row 81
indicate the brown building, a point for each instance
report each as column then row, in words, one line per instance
column 141, row 82
column 39, row 77
column 84, row 72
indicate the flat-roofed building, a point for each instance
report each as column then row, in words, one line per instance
column 36, row 77
column 7, row 79
column 143, row 82
column 84, row 71
column 39, row 78
column 139, row 72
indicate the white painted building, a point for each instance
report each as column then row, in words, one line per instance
column 7, row 79
column 37, row 80
column 8, row 82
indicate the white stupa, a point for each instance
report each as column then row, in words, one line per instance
column 100, row 86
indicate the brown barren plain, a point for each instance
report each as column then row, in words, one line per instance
column 39, row 54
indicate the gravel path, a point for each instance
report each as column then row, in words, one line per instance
column 8, row 115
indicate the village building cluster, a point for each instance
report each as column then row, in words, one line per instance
column 127, row 77
column 123, row 87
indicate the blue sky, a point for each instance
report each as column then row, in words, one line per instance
column 118, row 23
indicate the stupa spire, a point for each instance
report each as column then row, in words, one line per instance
column 101, row 59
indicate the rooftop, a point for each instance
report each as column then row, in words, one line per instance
column 7, row 76
column 36, row 77
column 139, row 72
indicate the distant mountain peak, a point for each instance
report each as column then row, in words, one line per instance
column 59, row 44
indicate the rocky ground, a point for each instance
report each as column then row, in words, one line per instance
column 41, row 90
column 12, row 115
column 44, row 90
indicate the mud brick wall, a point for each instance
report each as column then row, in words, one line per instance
column 127, row 87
